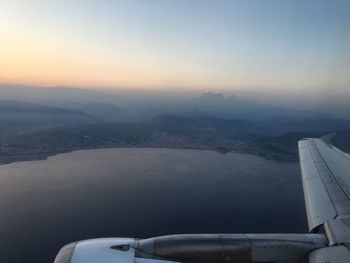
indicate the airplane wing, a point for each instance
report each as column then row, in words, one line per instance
column 326, row 183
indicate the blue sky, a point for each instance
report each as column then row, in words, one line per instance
column 163, row 44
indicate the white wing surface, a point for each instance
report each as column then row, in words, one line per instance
column 326, row 182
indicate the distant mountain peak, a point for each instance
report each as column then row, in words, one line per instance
column 217, row 99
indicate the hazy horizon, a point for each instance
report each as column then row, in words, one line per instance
column 336, row 103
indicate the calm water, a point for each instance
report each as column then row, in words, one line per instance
column 142, row 193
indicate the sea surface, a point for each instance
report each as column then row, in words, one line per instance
column 142, row 193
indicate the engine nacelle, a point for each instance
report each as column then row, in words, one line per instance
column 217, row 248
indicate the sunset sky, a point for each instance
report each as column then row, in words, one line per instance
column 176, row 44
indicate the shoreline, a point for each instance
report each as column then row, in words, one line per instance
column 8, row 159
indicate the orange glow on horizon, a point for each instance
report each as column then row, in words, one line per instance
column 114, row 45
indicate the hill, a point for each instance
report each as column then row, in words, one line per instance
column 17, row 116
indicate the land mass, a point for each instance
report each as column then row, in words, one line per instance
column 30, row 131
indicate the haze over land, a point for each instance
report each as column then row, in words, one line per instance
column 37, row 122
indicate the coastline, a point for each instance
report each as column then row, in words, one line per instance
column 8, row 159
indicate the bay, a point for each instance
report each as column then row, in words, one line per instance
column 142, row 192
